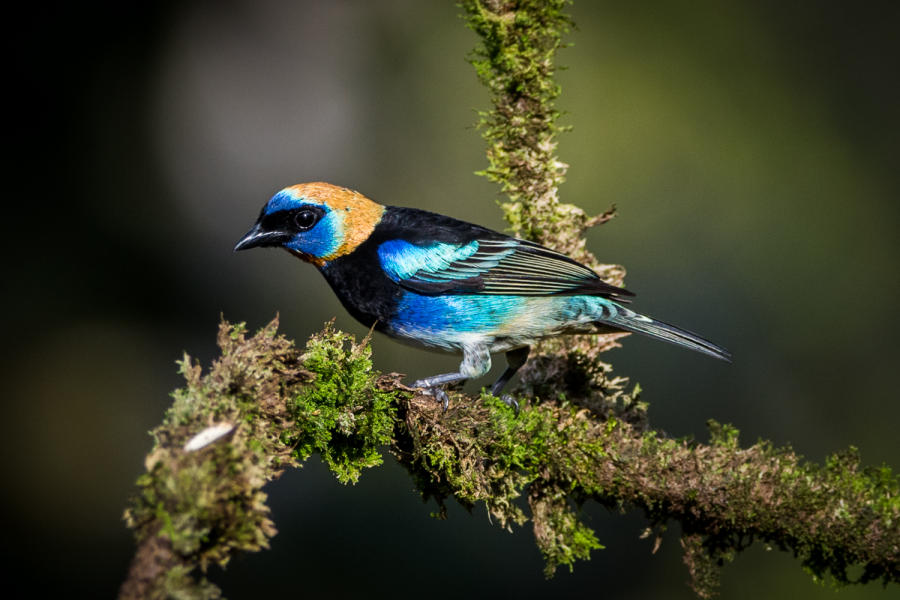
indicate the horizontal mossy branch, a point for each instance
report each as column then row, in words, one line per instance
column 271, row 406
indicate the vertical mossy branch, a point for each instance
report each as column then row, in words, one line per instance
column 519, row 40
column 514, row 59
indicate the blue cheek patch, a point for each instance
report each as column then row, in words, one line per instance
column 321, row 241
column 401, row 260
column 324, row 239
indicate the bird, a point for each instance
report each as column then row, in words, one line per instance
column 439, row 283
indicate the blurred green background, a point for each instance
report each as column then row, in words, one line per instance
column 751, row 148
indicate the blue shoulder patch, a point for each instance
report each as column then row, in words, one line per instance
column 402, row 260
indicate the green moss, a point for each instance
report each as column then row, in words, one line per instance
column 723, row 435
column 344, row 417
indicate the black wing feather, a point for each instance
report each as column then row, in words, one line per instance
column 501, row 265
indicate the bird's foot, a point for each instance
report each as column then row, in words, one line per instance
column 439, row 393
column 511, row 402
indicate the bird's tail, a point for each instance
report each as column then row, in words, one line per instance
column 623, row 318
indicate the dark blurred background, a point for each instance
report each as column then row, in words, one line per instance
column 751, row 148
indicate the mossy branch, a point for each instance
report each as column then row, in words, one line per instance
column 264, row 406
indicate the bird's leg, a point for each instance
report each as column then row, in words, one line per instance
column 476, row 362
column 514, row 361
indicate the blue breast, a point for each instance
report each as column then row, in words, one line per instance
column 455, row 313
column 451, row 321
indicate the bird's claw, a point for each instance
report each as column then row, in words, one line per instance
column 438, row 392
column 441, row 395
column 511, row 402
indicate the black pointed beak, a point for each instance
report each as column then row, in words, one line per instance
column 258, row 237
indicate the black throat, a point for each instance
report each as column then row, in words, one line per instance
column 361, row 285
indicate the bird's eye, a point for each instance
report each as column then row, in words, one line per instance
column 305, row 219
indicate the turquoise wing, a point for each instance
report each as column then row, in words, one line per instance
column 505, row 266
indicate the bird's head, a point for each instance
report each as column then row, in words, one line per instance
column 316, row 221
